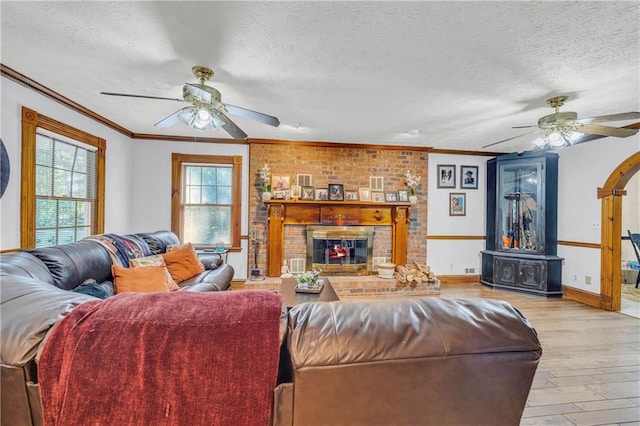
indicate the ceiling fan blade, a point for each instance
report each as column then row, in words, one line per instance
column 612, row 117
column 140, row 96
column 199, row 93
column 508, row 139
column 523, row 127
column 253, row 115
column 230, row 127
column 596, row 129
column 172, row 119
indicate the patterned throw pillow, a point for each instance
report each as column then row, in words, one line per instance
column 148, row 279
column 155, row 260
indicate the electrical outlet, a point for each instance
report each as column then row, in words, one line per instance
column 575, row 278
column 595, row 225
column 587, row 279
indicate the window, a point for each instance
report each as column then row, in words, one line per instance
column 62, row 182
column 206, row 199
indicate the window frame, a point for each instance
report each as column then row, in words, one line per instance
column 31, row 120
column 177, row 162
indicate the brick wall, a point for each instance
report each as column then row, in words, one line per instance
column 348, row 165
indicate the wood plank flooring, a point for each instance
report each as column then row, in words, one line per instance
column 589, row 373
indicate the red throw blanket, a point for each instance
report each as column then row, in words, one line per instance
column 179, row 358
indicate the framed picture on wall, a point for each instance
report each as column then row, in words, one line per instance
column 446, row 175
column 457, row 204
column 469, row 177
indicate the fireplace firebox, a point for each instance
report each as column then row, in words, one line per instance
column 340, row 249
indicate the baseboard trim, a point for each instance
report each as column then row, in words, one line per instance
column 458, row 279
column 581, row 296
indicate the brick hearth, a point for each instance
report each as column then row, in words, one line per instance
column 354, row 286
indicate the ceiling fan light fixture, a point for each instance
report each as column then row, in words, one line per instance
column 204, row 115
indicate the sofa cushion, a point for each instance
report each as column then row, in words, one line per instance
column 159, row 240
column 72, row 264
column 146, row 279
column 24, row 264
column 182, row 262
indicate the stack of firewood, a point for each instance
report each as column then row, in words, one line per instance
column 414, row 274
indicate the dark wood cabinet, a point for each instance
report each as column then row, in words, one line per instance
column 521, row 227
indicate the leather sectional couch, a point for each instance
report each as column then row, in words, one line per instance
column 36, row 287
column 398, row 361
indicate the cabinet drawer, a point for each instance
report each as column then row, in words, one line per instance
column 375, row 216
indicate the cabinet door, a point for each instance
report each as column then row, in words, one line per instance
column 505, row 271
column 533, row 274
column 519, row 205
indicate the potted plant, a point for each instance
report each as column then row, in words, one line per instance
column 413, row 181
column 265, row 178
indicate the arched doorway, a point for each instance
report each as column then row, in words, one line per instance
column 610, row 239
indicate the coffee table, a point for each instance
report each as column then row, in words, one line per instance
column 291, row 298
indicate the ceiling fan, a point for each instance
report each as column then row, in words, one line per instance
column 206, row 110
column 565, row 129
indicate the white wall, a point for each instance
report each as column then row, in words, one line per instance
column 631, row 215
column 118, row 160
column 582, row 169
column 452, row 257
column 151, row 204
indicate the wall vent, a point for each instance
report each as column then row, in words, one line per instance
column 469, row 270
column 376, row 260
column 376, row 183
column 297, row 266
column 303, row 180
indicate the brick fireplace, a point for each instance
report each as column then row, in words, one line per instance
column 361, row 217
column 352, row 165
column 340, row 249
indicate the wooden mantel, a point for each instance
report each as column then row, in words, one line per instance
column 339, row 213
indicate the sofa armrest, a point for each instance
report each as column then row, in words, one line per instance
column 405, row 361
column 210, row 261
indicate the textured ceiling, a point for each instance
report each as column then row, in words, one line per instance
column 462, row 73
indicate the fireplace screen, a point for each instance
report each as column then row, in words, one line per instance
column 340, row 249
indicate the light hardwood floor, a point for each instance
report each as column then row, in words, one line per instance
column 589, row 373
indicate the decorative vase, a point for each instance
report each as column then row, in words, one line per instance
column 413, row 198
column 266, row 195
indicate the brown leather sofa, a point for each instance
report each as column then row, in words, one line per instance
column 424, row 361
column 36, row 290
column 397, row 361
